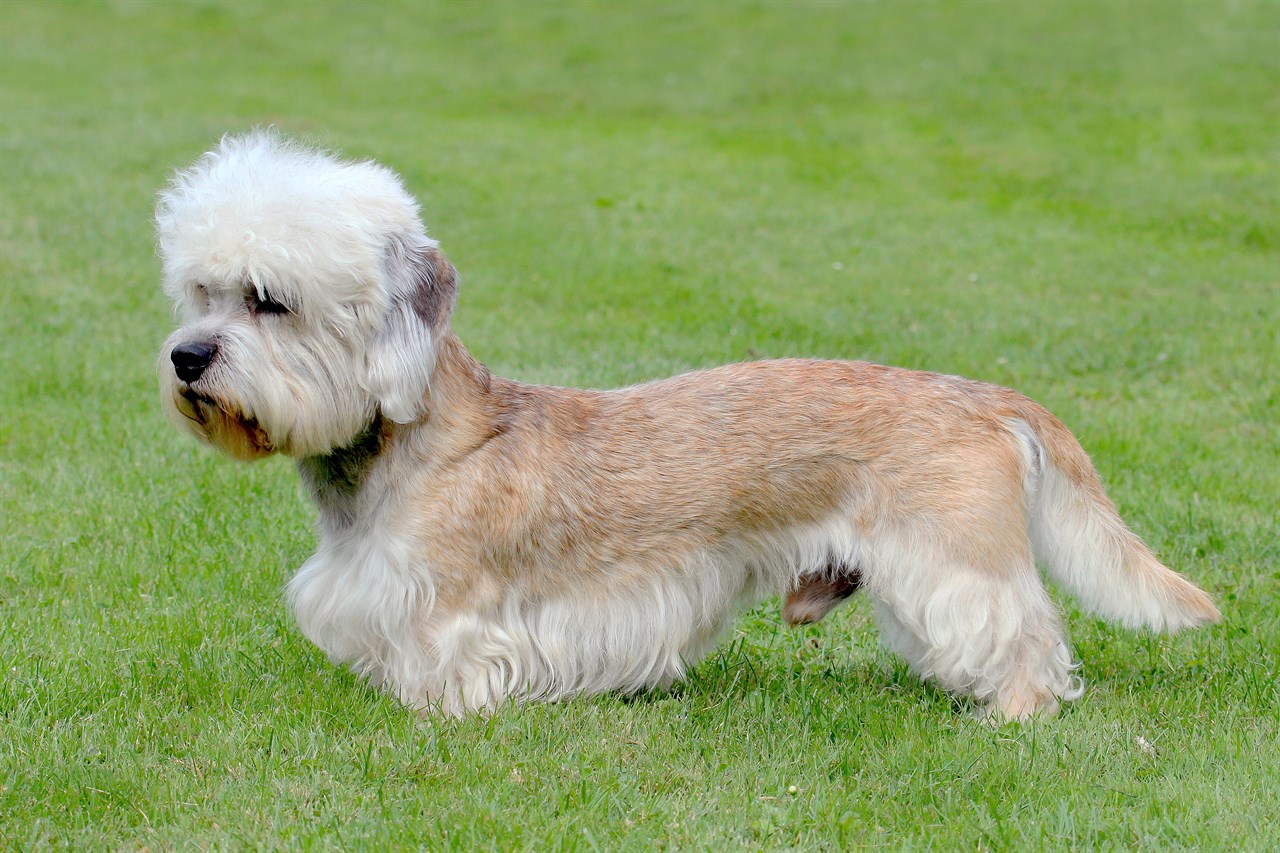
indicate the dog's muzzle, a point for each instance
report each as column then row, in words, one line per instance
column 191, row 359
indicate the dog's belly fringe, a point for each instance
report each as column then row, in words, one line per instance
column 372, row 609
column 620, row 639
column 580, row 645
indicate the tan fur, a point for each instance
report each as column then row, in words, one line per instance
column 596, row 478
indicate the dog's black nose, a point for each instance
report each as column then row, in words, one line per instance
column 190, row 360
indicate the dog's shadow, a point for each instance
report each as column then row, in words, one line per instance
column 841, row 684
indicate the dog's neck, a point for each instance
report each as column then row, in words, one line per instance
column 459, row 413
column 461, row 403
column 335, row 479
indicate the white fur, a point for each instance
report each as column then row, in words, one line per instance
column 262, row 214
column 1089, row 554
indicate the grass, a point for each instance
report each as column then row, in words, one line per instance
column 1078, row 200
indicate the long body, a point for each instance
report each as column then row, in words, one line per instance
column 484, row 541
column 547, row 542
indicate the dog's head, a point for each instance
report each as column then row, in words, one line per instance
column 309, row 296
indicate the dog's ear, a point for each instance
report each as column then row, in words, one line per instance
column 423, row 287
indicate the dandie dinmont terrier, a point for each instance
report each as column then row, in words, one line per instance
column 481, row 540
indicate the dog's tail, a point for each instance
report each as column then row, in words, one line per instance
column 1084, row 544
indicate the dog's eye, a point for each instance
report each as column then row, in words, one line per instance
column 264, row 304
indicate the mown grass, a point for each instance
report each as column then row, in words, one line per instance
column 1079, row 200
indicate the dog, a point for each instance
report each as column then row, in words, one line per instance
column 484, row 541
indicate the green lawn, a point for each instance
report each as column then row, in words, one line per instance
column 1081, row 200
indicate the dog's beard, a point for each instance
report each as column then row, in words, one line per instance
column 251, row 415
column 223, row 426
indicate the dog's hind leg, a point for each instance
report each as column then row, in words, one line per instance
column 992, row 635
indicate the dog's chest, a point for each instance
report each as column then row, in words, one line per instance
column 359, row 601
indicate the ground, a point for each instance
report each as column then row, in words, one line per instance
column 1078, row 200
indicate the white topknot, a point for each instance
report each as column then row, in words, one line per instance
column 271, row 211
